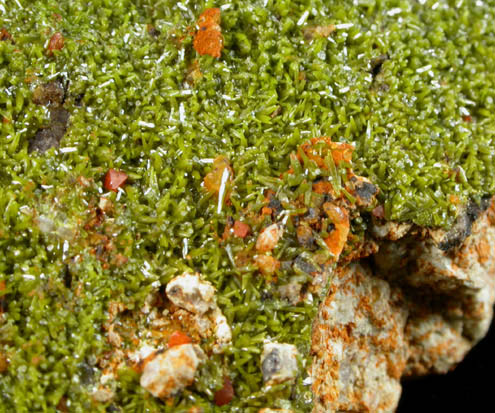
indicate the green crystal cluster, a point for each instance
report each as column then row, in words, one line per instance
column 410, row 83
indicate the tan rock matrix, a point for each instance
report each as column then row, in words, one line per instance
column 414, row 308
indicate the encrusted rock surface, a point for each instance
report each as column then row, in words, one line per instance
column 359, row 345
column 416, row 307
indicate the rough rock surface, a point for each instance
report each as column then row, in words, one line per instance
column 414, row 308
column 52, row 95
column 359, row 345
column 170, row 371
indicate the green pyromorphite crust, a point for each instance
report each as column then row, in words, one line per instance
column 411, row 83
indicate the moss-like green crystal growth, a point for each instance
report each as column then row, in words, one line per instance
column 411, row 83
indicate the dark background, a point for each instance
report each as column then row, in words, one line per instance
column 469, row 388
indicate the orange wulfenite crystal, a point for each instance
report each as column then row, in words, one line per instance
column 208, row 39
column 338, row 236
column 56, row 43
column 4, row 34
column 340, row 151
